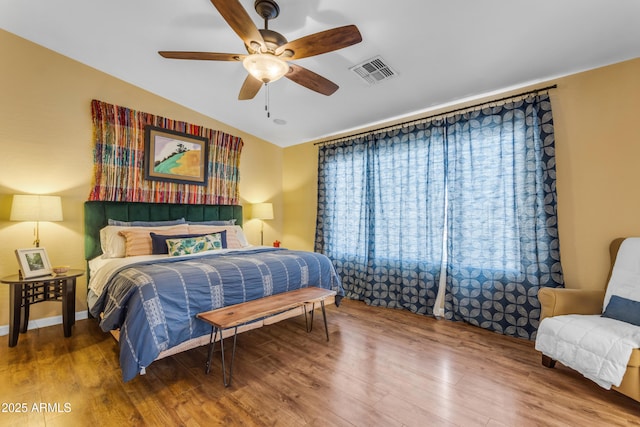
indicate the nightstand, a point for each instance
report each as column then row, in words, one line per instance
column 24, row 292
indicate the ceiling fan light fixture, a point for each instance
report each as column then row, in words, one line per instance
column 265, row 67
column 268, row 50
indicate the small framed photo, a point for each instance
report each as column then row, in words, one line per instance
column 33, row 262
column 175, row 156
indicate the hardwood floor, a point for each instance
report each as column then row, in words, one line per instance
column 382, row 367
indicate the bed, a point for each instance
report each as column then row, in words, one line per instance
column 152, row 299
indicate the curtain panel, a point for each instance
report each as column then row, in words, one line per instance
column 119, row 139
column 502, row 236
column 381, row 216
column 470, row 198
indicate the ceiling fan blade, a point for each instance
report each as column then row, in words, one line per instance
column 204, row 56
column 239, row 20
column 322, row 42
column 311, row 80
column 249, row 88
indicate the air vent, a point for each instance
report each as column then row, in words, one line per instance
column 374, row 71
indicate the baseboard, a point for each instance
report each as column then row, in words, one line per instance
column 43, row 323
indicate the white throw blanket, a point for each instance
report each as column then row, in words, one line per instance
column 597, row 347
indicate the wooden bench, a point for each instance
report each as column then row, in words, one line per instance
column 236, row 315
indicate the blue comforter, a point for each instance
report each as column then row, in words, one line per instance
column 155, row 303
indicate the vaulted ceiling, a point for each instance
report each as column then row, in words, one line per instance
column 441, row 52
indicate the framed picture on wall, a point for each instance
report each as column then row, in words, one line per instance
column 33, row 262
column 175, row 156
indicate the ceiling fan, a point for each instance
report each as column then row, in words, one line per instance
column 269, row 51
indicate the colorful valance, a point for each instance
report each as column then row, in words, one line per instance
column 119, row 138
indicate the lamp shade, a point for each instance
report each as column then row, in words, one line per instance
column 265, row 67
column 262, row 211
column 30, row 207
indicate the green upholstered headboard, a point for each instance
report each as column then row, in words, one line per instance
column 97, row 213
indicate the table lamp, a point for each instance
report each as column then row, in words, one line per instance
column 32, row 207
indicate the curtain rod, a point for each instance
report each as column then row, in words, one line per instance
column 423, row 119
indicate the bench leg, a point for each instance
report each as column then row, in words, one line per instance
column 212, row 343
column 324, row 317
column 306, row 322
column 233, row 356
column 309, row 326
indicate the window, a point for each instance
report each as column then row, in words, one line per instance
column 477, row 184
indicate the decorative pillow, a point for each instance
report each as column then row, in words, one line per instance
column 138, row 239
column 146, row 223
column 623, row 309
column 113, row 244
column 233, row 240
column 159, row 241
column 214, row 222
column 193, row 245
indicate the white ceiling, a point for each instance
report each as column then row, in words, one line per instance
column 444, row 51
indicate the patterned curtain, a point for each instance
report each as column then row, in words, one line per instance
column 381, row 216
column 118, row 134
column 502, row 231
column 480, row 184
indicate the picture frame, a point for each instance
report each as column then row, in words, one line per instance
column 34, row 262
column 172, row 156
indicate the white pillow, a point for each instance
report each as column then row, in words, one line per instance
column 114, row 245
column 241, row 237
column 625, row 277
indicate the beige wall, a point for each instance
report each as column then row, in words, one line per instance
column 45, row 135
column 597, row 148
column 300, row 185
column 598, row 174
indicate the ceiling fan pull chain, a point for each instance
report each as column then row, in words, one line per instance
column 266, row 103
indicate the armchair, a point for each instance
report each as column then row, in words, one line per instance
column 560, row 301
